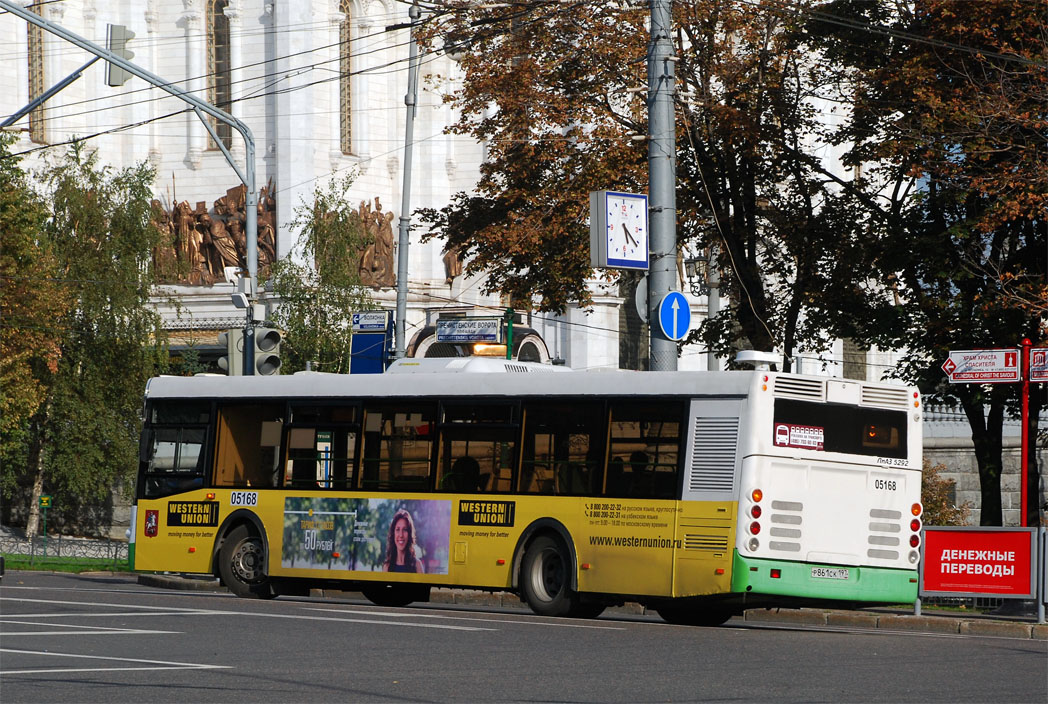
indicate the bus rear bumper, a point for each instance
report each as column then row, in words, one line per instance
column 808, row 580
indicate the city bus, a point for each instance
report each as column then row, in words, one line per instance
column 695, row 494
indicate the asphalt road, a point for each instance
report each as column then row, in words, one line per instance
column 70, row 638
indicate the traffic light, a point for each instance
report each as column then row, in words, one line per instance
column 233, row 362
column 267, row 351
column 117, row 37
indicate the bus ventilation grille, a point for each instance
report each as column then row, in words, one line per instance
column 517, row 368
column 884, row 534
column 793, row 387
column 892, row 396
column 706, row 543
column 786, row 526
column 713, row 454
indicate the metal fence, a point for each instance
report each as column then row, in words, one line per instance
column 55, row 549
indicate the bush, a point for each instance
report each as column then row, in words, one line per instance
column 937, row 496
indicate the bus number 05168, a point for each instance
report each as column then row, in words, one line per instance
column 885, row 484
column 243, row 498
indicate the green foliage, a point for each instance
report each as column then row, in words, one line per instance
column 82, row 440
column 319, row 283
column 30, row 301
column 936, row 492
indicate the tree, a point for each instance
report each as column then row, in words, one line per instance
column 31, row 299
column 949, row 123
column 319, row 284
column 82, row 439
column 940, row 507
column 551, row 90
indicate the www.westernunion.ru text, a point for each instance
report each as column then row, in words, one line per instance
column 618, row 541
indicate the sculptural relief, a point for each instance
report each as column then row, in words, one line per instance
column 200, row 244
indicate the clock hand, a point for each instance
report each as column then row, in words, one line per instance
column 628, row 235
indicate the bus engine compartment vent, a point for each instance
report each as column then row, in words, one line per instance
column 713, row 454
column 792, row 387
column 894, row 396
column 707, row 543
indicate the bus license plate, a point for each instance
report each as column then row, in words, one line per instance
column 831, row 572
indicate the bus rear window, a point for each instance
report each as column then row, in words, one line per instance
column 842, row 428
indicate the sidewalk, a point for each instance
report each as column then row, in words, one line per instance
column 931, row 621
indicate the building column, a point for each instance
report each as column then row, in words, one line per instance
column 236, row 74
column 196, row 48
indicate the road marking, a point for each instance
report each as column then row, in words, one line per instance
column 73, row 629
column 147, row 664
column 466, row 618
column 146, row 610
column 98, row 603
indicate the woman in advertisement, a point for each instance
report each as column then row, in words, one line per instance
column 400, row 545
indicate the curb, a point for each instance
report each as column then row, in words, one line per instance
column 796, row 617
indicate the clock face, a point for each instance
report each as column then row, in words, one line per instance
column 627, row 219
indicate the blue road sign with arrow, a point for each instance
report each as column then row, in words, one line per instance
column 674, row 315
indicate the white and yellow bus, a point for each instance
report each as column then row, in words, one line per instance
column 698, row 494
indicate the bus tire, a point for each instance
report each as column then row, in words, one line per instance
column 394, row 594
column 544, row 578
column 242, row 565
column 695, row 616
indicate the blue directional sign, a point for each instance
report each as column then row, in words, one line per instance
column 674, row 315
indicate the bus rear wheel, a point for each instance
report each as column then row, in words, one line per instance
column 544, row 578
column 695, row 616
column 242, row 565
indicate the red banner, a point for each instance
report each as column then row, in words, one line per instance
column 978, row 561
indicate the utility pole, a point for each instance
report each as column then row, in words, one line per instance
column 410, row 100
column 662, row 180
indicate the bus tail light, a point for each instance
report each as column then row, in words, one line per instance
column 776, row 573
column 755, row 511
column 916, row 509
column 755, row 528
column 914, row 556
column 757, row 495
column 752, row 544
column 915, row 540
column 915, row 525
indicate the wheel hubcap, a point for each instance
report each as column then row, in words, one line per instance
column 247, row 561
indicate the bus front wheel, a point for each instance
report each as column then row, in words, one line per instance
column 242, row 565
column 545, row 580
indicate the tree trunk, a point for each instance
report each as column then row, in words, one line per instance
column 36, row 465
column 987, row 441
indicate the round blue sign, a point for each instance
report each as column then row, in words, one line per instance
column 674, row 315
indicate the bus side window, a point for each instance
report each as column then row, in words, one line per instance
column 648, row 435
column 562, row 450
column 398, row 445
column 248, row 450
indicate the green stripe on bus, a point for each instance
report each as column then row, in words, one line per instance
column 869, row 584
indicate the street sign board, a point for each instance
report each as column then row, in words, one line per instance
column 469, row 330
column 371, row 321
column 979, row 561
column 1039, row 364
column 982, row 366
column 674, row 315
column 45, row 501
